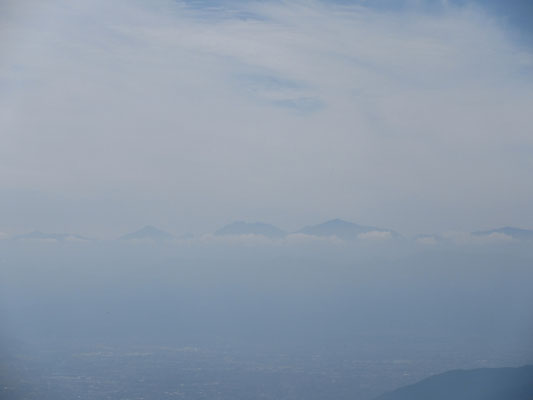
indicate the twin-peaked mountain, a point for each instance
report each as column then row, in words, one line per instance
column 333, row 228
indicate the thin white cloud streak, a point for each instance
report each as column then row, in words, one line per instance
column 427, row 240
column 465, row 238
column 161, row 114
column 375, row 235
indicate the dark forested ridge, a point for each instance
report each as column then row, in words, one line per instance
column 476, row 384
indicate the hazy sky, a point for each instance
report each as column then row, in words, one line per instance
column 191, row 115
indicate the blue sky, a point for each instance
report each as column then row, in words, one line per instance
column 514, row 15
column 115, row 115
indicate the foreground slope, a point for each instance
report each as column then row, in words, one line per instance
column 477, row 384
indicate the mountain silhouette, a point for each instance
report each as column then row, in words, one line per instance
column 342, row 229
column 476, row 384
column 515, row 233
column 251, row 228
column 50, row 237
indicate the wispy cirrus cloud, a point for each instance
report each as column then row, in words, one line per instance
column 187, row 115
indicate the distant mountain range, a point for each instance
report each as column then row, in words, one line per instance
column 50, row 237
column 251, row 228
column 148, row 233
column 345, row 230
column 476, row 384
column 333, row 228
column 515, row 233
column 506, row 232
